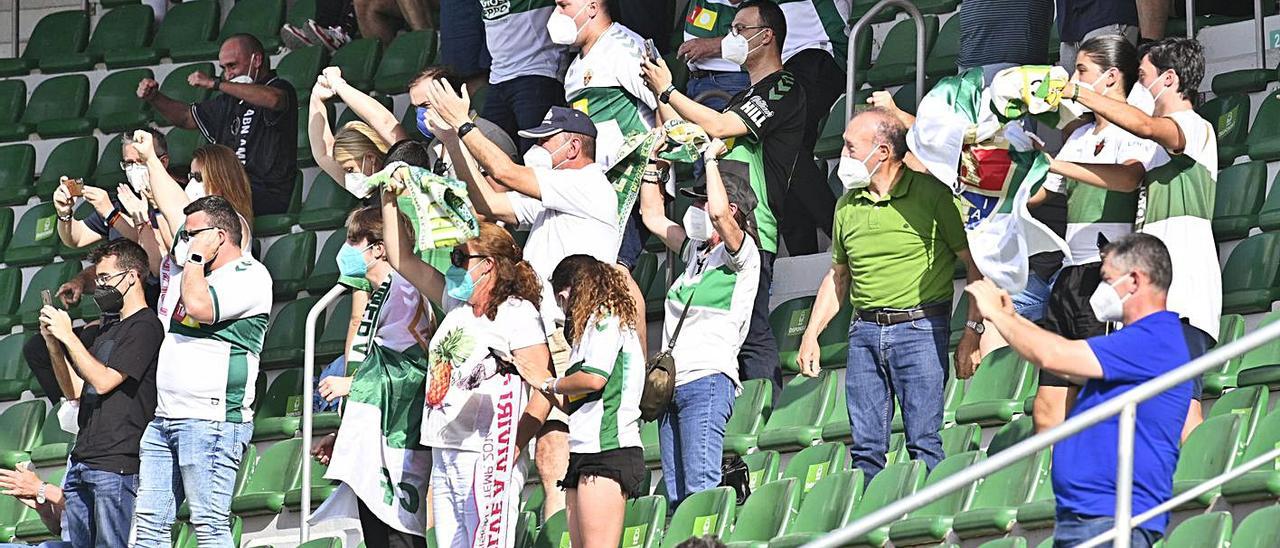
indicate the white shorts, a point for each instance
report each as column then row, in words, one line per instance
column 453, row 496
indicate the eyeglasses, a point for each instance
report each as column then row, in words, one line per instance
column 196, row 176
column 187, row 235
column 105, row 279
column 738, row 28
column 459, row 258
column 126, row 164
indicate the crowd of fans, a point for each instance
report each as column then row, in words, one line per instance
column 542, row 346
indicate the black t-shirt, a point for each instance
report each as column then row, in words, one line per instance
column 264, row 140
column 111, row 425
column 1077, row 18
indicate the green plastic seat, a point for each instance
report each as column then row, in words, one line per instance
column 326, row 206
column 327, row 542
column 831, row 133
column 709, row 512
column 996, row 392
column 116, row 107
column 932, row 522
column 1243, row 81
column 554, row 532
column 192, row 21
column 49, row 277
column 17, row 173
column 1011, row 434
column 952, row 396
column 994, row 508
column 642, row 525
column 1258, row 529
column 261, row 18
column 836, row 427
column 1229, row 115
column 1008, row 542
column 1269, row 215
column 127, row 27
column 1250, row 277
column 325, row 273
column 320, row 488
column 1262, row 364
column 15, row 376
column 1250, row 403
column 289, row 260
column 6, row 233
column 1262, row 483
column 1230, row 328
column 905, row 98
column 300, row 68
column 896, row 481
column 55, row 443
column 946, row 49
column 11, row 511
column 652, row 451
column 797, row 418
column 526, row 529
column 358, row 60
column 960, row 438
column 55, row 35
column 57, row 107
column 279, row 415
column 274, row 473
column 21, row 423
column 13, row 99
column 1238, row 198
column 1209, row 451
column 860, row 8
column 1264, row 134
column 896, row 63
column 282, row 346
column 766, row 514
column 175, row 87
column 300, row 11
column 35, row 239
column 750, row 411
column 29, row 528
column 280, row 223
column 1041, row 512
column 182, row 147
column 333, row 340
column 762, row 467
column 108, row 174
column 1212, row 530
column 814, row 463
column 825, row 508
column 74, row 158
column 404, row 59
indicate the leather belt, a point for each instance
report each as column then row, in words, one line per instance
column 695, row 73
column 891, row 316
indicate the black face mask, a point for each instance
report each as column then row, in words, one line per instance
column 109, row 298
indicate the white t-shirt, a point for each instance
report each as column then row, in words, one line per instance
column 610, row 418
column 815, row 24
column 516, row 34
column 461, row 375
column 720, row 312
column 208, row 371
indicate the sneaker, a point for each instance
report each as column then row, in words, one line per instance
column 295, row 38
column 332, row 37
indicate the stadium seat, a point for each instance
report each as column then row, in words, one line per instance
column 1230, row 328
column 959, row 314
column 814, row 463
column 20, row 423
column 766, row 514
column 905, row 98
column 289, row 260
column 358, row 60
column 554, row 532
column 57, row 34
column 1212, row 530
column 332, row 342
column 11, row 511
column 1250, row 403
column 127, row 27
column 1249, row 279
column 931, row 523
column 960, row 438
column 707, row 513
column 261, row 18
column 15, row 376
column 326, row 542
column 896, row 63
column 274, row 473
column 349, row 114
column 835, row 426
column 107, row 174
column 825, row 508
column 185, row 537
column 17, row 173
column 404, row 59
column 860, row 8
column 182, row 147
column 798, row 416
column 1258, row 529
column 1041, row 512
column 1007, row 542
column 1210, row 450
column 652, row 451
column 282, row 346
column 54, row 443
column 526, row 529
column 1261, row 483
column 191, row 22
column 788, row 322
column 74, row 158
column 175, row 87
column 1262, row 364
column 49, row 277
column 946, row 49
column 30, row 529
column 35, row 239
column 279, row 223
column 952, row 395
column 1011, row 434
column 1242, row 81
column 327, row 205
column 300, row 68
column 1269, row 215
column 325, row 274
column 1238, row 197
column 320, row 488
column 1229, row 115
column 762, row 467
column 6, row 232
column 896, row 481
column 57, row 107
column 995, row 504
column 643, row 523
column 996, row 392
column 300, row 11
column 13, row 99
column 115, row 107
column 279, row 413
column 1264, row 133
column 750, row 412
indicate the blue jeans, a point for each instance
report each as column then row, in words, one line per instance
column 728, row 82
column 336, row 368
column 195, row 457
column 1073, row 529
column 521, row 103
column 99, row 505
column 1032, row 302
column 692, row 435
column 907, row 360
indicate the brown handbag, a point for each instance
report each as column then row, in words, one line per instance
column 660, row 374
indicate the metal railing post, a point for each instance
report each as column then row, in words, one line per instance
column 308, row 379
column 1191, row 19
column 1124, row 475
column 1260, row 30
column 17, row 9
column 851, row 79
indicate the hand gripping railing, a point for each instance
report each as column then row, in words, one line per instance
column 851, row 81
column 308, row 379
column 1124, row 405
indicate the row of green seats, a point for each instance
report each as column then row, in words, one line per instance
column 1241, row 201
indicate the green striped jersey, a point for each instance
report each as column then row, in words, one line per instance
column 516, row 33
column 610, row 417
column 723, row 288
column 605, row 84
column 710, row 19
column 816, row 24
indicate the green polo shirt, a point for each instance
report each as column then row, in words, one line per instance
column 901, row 248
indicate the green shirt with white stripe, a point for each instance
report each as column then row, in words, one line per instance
column 608, row 418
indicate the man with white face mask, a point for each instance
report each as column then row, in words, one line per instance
column 896, row 237
column 1136, row 276
column 525, row 71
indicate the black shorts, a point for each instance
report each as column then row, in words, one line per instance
column 624, row 466
column 1069, row 313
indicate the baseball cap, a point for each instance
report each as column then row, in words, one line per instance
column 560, row 119
column 736, row 178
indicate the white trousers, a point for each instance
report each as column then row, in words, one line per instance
column 454, row 505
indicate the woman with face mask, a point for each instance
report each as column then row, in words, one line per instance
column 474, row 413
column 714, row 295
column 349, row 156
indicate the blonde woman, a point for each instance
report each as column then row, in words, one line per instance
column 356, row 151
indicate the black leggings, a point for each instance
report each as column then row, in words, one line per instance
column 380, row 535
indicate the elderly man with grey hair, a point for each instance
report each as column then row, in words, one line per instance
column 896, row 237
column 1136, row 273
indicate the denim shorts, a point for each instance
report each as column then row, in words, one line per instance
column 624, row 465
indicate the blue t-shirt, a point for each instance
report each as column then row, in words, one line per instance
column 1084, row 465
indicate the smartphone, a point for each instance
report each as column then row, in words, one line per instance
column 75, row 187
column 46, row 297
column 652, row 50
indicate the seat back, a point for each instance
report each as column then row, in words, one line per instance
column 957, row 500
column 182, row 147
column 1012, row 485
column 261, row 18
column 108, row 174
column 1265, row 438
column 325, row 272
column 58, row 33
column 13, row 100
column 642, row 524
column 49, row 277
column 814, row 463
column 1001, row 376
column 894, row 482
column 829, row 503
column 554, row 532
column 284, row 397
column 291, row 256
column 946, row 47
column 12, row 365
column 118, row 92
column 767, row 511
column 762, row 467
column 37, row 228
column 300, row 68
column 1229, row 115
column 75, row 158
column 709, row 512
column 899, row 45
column 325, row 195
column 960, row 438
column 406, row 56
column 175, row 85
column 803, row 401
column 1258, row 529
column 1253, row 265
column 287, row 326
column 52, row 431
column 358, row 60
column 17, row 167
column 1266, row 354
column 335, row 329
column 1212, row 530
column 1238, row 197
column 60, row 97
column 1248, row 402
column 1019, row 429
column 1266, row 123
column 751, row 408
column 276, row 470
column 188, row 22
column 21, row 424
column 1230, row 328
column 1210, row 449
column 6, row 232
column 124, row 27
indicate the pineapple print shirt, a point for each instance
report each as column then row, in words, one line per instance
column 610, row 417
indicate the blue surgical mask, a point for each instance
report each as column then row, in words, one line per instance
column 458, row 283
column 351, row 261
column 422, row 124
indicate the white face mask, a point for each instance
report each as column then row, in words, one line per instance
column 734, row 48
column 195, row 190
column 538, row 157
column 562, row 28
column 853, row 172
column 1106, row 303
column 138, row 178
column 697, row 224
column 1142, row 99
column 181, row 250
column 354, row 182
column 244, row 78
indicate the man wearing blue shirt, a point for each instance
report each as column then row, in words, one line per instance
column 1136, row 272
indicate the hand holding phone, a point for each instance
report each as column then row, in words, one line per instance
column 652, row 50
column 75, row 187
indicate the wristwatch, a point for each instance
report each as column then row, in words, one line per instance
column 977, row 327
column 665, row 96
column 40, row 498
column 217, row 84
column 464, row 129
column 548, row 385
column 195, row 259
column 64, row 218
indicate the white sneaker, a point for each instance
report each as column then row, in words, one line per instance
column 295, row 38
column 331, row 37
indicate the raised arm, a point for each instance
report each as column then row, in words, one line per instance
column 653, row 208
column 1118, row 177
column 717, row 124
column 176, row 112
column 319, row 136
column 366, row 107
column 1164, row 131
column 718, row 200
column 400, row 253
column 74, row 233
column 490, row 203
column 168, row 197
column 454, row 111
column 258, row 95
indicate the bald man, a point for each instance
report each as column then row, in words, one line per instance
column 255, row 114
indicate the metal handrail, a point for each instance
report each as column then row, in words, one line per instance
column 1258, row 29
column 1036, row 443
column 308, row 377
column 17, row 9
column 851, row 62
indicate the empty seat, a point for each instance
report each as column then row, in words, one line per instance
column 825, row 508
column 995, row 504
column 1250, row 403
column 554, row 532
column 116, row 107
column 931, row 522
column 274, row 473
column 327, row 205
column 996, row 392
column 192, row 21
column 325, row 274
column 358, row 60
column 1269, row 215
column 405, row 57
column 282, row 346
column 182, row 147
column 332, row 341
column 54, row 443
column 320, row 488
column 946, row 49
column 896, row 63
column 766, row 514
column 300, row 68
column 762, row 467
column 17, row 173
column 1238, row 197
column 1212, row 530
column 1264, row 134
column 798, row 416
column 789, row 321
column 960, row 438
column 57, row 107
column 59, row 33
column 1262, row 364
column 814, row 463
column 126, row 27
column 1008, row 542
column 1011, row 434
column 13, row 100
column 1041, row 511
column 15, row 376
column 750, row 411
column 289, row 260
column 276, row 224
column 35, row 239
column 108, row 173
column 644, row 520
column 1229, row 115
column 74, row 158
column 1209, row 451
column 1248, row 80
column 261, row 18
column 175, row 87
column 1262, row 483
column 279, row 415
column 894, row 482
column 1258, row 529
column 1249, row 279
column 707, row 513
column 21, row 424
column 1230, row 328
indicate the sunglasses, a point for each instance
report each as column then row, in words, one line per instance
column 187, row 235
column 459, row 257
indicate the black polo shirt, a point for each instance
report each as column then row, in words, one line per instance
column 264, row 140
column 1077, row 18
